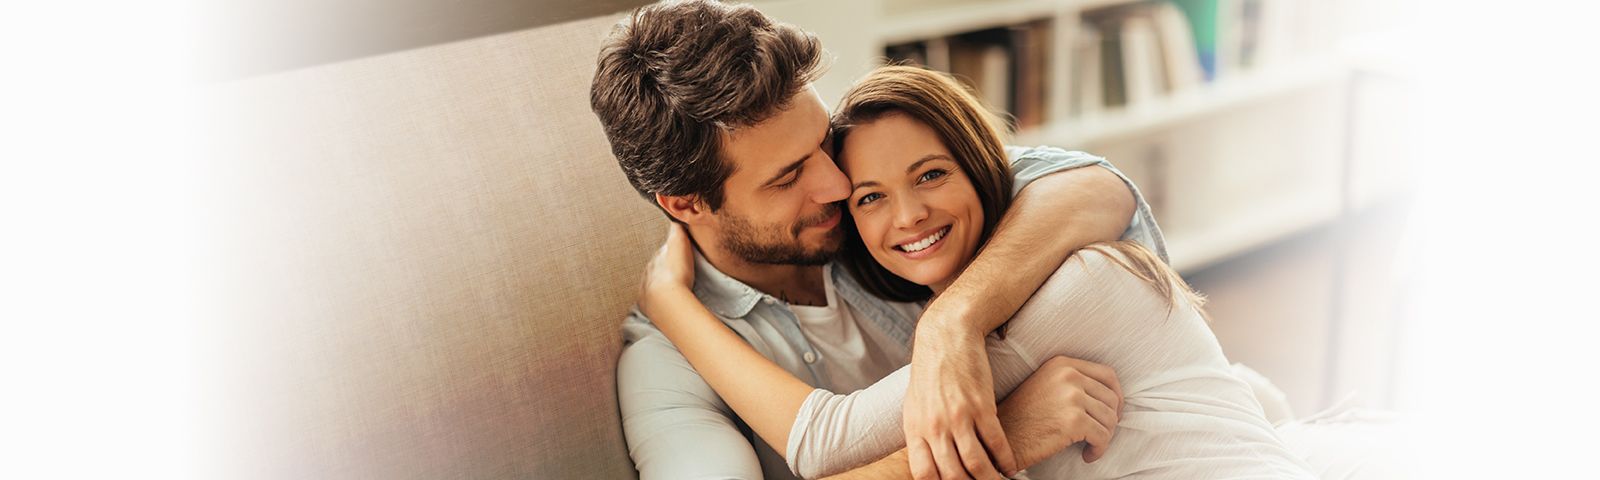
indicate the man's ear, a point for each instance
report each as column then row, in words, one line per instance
column 684, row 208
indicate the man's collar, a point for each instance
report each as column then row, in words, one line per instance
column 723, row 295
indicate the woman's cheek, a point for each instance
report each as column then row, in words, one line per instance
column 872, row 230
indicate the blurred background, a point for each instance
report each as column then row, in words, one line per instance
column 1272, row 138
column 387, row 239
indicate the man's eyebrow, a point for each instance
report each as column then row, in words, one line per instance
column 789, row 168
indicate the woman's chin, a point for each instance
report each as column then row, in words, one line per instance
column 922, row 276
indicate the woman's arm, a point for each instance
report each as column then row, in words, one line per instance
column 764, row 395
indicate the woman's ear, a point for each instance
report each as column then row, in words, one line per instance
column 684, row 208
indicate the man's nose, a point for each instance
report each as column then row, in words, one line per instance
column 831, row 184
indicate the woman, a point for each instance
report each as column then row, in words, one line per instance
column 931, row 180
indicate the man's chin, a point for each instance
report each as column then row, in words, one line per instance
column 832, row 242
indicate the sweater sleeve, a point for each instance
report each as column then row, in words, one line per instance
column 833, row 433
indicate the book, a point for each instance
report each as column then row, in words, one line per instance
column 1202, row 16
column 1275, row 39
column 983, row 61
column 1111, row 78
column 914, row 53
column 1180, row 57
column 1030, row 73
column 1142, row 74
column 994, row 78
column 1088, row 90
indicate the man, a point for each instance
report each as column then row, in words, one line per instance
column 709, row 111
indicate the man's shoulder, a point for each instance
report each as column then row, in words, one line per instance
column 1046, row 152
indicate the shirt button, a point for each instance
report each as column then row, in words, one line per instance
column 811, row 357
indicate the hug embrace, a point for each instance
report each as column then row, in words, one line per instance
column 889, row 291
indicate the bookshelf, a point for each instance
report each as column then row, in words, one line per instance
column 1196, row 103
column 1260, row 64
column 962, row 17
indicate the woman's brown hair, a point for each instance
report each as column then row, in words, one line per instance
column 973, row 137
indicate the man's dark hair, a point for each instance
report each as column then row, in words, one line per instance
column 674, row 76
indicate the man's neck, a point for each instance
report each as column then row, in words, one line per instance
column 797, row 284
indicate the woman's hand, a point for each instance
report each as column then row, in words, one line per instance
column 951, row 427
column 670, row 271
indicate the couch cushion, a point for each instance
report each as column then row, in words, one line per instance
column 423, row 258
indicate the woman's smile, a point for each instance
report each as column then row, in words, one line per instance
column 925, row 245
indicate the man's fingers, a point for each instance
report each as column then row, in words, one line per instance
column 1108, row 377
column 1102, row 414
column 1098, row 438
column 1099, row 391
column 974, row 456
column 994, row 437
column 947, row 460
column 1101, row 373
column 921, row 460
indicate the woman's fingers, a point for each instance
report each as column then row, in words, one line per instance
column 994, row 436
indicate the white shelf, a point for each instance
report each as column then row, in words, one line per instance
column 1244, row 231
column 923, row 24
column 1229, row 91
column 938, row 22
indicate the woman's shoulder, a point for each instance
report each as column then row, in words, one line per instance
column 1120, row 264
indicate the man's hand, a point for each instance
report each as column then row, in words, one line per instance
column 1065, row 401
column 950, row 422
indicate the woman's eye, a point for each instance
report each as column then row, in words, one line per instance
column 868, row 198
column 932, row 175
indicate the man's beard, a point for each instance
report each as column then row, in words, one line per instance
column 773, row 246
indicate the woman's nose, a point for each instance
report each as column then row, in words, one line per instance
column 909, row 212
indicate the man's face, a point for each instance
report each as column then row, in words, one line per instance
column 781, row 202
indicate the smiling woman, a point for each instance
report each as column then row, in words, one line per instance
column 886, row 110
column 906, row 209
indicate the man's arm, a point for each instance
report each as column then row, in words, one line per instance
column 1051, row 218
column 675, row 425
column 949, row 406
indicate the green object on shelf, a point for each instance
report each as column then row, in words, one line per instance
column 1203, row 23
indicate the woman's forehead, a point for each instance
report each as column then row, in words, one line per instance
column 889, row 144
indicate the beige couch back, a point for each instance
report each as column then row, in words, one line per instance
column 422, row 262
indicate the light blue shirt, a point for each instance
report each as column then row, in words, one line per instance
column 677, row 427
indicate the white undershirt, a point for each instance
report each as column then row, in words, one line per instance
column 853, row 356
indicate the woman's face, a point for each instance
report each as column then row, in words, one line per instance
column 916, row 210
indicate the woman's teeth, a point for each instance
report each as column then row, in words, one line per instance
column 919, row 245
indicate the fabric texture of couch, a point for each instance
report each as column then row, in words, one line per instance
column 423, row 260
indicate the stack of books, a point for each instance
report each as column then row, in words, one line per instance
column 1128, row 55
column 1007, row 67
